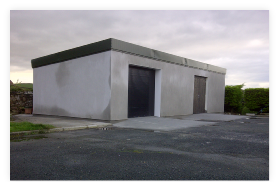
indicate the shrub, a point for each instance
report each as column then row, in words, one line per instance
column 233, row 98
column 257, row 99
column 245, row 110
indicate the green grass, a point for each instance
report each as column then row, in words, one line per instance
column 27, row 126
column 25, row 85
column 20, row 87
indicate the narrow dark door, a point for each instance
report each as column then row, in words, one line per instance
column 199, row 94
column 141, row 89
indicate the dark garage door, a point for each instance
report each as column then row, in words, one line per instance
column 141, row 92
column 199, row 94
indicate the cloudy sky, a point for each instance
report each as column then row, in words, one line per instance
column 235, row 40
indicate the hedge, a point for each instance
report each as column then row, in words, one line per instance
column 233, row 98
column 257, row 99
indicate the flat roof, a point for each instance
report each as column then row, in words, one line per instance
column 118, row 45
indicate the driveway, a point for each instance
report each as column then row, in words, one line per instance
column 227, row 150
column 176, row 122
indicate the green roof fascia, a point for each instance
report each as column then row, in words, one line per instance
column 216, row 69
column 77, row 52
column 154, row 54
column 118, row 45
column 146, row 52
column 131, row 48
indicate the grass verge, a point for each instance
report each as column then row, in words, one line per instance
column 27, row 126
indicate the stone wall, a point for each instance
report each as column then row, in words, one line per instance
column 20, row 100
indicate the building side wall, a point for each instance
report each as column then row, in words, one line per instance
column 177, row 86
column 74, row 88
column 216, row 93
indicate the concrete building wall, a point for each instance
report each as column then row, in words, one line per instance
column 96, row 87
column 177, row 86
column 77, row 88
column 215, row 92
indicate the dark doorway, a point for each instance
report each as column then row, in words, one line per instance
column 199, row 94
column 141, row 89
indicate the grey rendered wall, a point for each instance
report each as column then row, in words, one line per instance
column 177, row 86
column 215, row 92
column 75, row 88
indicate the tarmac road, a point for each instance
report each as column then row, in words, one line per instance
column 231, row 150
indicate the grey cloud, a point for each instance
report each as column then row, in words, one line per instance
column 214, row 37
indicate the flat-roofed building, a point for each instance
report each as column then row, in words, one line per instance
column 115, row 80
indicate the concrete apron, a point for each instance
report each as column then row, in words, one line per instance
column 147, row 123
column 176, row 122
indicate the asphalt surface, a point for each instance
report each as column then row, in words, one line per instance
column 227, row 150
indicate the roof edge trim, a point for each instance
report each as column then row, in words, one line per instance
column 114, row 44
column 89, row 49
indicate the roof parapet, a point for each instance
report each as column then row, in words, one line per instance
column 114, row 44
